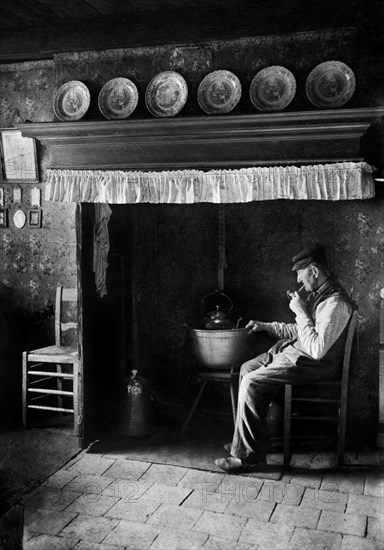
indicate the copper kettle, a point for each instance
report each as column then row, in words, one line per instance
column 217, row 307
column 217, row 320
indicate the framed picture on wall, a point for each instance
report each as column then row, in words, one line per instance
column 18, row 157
column 3, row 217
column 34, row 218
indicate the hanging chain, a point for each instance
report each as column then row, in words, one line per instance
column 222, row 261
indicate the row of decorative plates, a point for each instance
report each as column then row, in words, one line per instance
column 329, row 85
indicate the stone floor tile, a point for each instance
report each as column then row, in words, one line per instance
column 324, row 500
column 240, row 488
column 74, row 460
column 218, row 543
column 220, row 525
column 279, row 491
column 176, row 539
column 127, row 469
column 178, row 517
column 358, row 543
column 324, row 460
column 132, row 535
column 348, row 524
column 203, row 500
column 94, row 505
column 133, row 511
column 273, row 471
column 29, row 514
column 301, row 460
column 49, row 522
column 164, row 473
column 52, row 498
column 167, row 494
column 376, row 529
column 60, row 478
column 366, row 505
column 196, row 479
column 257, row 509
column 27, row 535
column 29, row 496
column 49, row 542
column 276, row 459
column 295, row 515
column 305, row 539
column 364, row 457
column 88, row 484
column 89, row 528
column 91, row 464
column 265, row 535
column 374, row 485
column 129, row 491
column 305, row 479
column 84, row 545
column 343, row 482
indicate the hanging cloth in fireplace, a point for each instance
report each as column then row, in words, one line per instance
column 331, row 182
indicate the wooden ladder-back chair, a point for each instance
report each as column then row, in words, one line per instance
column 51, row 374
column 341, row 386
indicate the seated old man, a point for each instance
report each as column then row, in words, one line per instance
column 311, row 349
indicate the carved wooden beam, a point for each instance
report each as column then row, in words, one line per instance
column 306, row 137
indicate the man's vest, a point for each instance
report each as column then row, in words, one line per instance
column 330, row 364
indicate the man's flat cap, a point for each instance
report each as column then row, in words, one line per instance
column 308, row 256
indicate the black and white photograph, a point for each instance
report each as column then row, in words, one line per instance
column 192, row 275
column 19, row 162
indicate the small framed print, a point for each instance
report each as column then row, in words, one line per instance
column 3, row 217
column 34, row 218
column 18, row 157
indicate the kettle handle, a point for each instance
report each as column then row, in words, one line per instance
column 217, row 292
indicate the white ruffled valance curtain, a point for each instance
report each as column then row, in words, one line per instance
column 332, row 182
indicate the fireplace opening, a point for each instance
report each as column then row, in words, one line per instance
column 162, row 263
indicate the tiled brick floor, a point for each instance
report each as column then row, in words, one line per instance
column 100, row 502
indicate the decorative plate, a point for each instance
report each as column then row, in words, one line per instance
column 272, row 88
column 166, row 94
column 219, row 92
column 330, row 84
column 118, row 98
column 19, row 219
column 71, row 101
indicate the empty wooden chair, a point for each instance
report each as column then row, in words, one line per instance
column 340, row 400
column 51, row 375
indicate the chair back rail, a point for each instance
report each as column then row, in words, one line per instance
column 63, row 295
column 348, row 346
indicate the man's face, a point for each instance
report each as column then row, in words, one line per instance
column 307, row 277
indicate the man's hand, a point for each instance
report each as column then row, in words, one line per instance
column 254, row 326
column 296, row 304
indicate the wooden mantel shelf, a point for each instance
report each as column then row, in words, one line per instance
column 305, row 137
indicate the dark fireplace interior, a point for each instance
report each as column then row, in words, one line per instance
column 163, row 261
